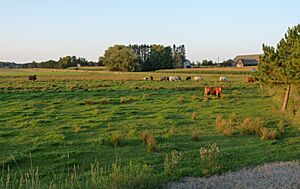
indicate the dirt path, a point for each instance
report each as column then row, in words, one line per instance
column 284, row 175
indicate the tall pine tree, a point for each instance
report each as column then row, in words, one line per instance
column 281, row 65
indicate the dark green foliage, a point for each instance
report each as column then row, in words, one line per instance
column 121, row 58
column 143, row 57
column 63, row 62
column 281, row 65
column 179, row 56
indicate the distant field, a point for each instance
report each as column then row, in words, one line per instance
column 68, row 117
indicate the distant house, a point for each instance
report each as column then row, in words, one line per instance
column 187, row 64
column 246, row 60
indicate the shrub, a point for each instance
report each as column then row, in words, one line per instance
column 151, row 143
column 144, row 136
column 181, row 99
column 228, row 131
column 70, row 86
column 224, row 126
column 219, row 119
column 250, row 125
column 77, row 129
column 194, row 97
column 209, row 157
column 232, row 119
column 281, row 126
column 267, row 134
column 145, row 96
column 194, row 116
column 195, row 134
column 116, row 138
column 132, row 132
column 170, row 132
column 171, row 163
column 104, row 101
column 122, row 100
column 89, row 102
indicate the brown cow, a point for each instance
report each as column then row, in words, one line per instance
column 208, row 90
column 32, row 77
column 250, row 79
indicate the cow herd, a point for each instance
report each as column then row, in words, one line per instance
column 178, row 78
column 208, row 90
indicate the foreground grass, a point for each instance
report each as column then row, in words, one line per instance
column 68, row 119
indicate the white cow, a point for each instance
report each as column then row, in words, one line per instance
column 198, row 78
column 174, row 78
column 145, row 78
column 223, row 78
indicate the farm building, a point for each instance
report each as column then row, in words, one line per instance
column 187, row 64
column 246, row 60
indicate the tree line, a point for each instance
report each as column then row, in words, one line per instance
column 143, row 57
column 62, row 63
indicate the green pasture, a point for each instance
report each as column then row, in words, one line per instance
column 54, row 123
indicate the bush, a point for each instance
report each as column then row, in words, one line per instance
column 122, row 100
column 132, row 133
column 77, row 129
column 219, row 119
column 144, row 136
column 181, row 99
column 267, row 134
column 250, row 125
column 281, row 127
column 104, row 101
column 224, row 126
column 195, row 134
column 170, row 132
column 228, row 131
column 171, row 163
column 145, row 96
column 194, row 116
column 209, row 157
column 194, row 97
column 116, row 138
column 89, row 102
column 151, row 143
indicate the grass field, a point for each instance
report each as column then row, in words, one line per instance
column 69, row 117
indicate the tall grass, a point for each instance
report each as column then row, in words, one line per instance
column 115, row 177
column 250, row 125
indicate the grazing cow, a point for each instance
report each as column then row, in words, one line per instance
column 188, row 78
column 224, row 79
column 145, row 78
column 32, row 77
column 174, row 78
column 198, row 78
column 250, row 79
column 208, row 90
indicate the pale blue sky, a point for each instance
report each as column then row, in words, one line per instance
column 47, row 29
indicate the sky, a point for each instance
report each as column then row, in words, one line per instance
column 38, row 30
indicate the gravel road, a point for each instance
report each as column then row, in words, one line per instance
column 284, row 175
